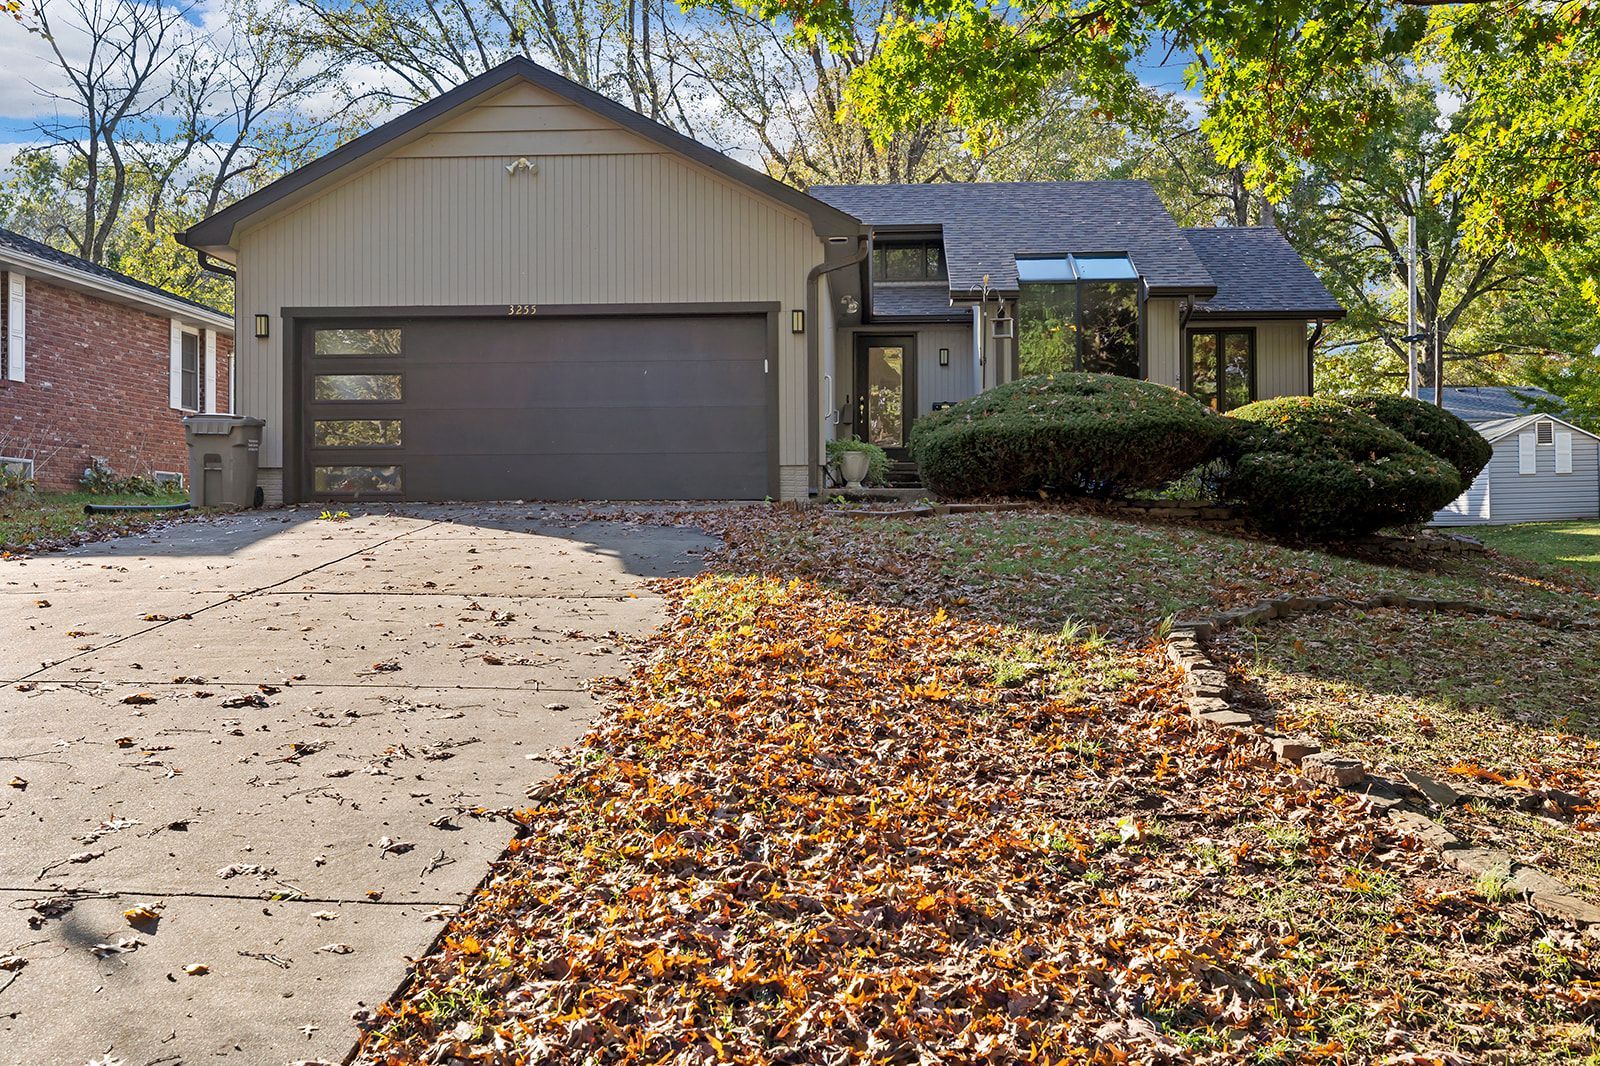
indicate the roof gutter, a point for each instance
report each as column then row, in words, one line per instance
column 814, row 348
column 169, row 305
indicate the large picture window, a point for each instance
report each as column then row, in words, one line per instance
column 1220, row 367
column 1078, row 313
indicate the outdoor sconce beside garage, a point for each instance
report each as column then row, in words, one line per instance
column 262, row 325
column 797, row 321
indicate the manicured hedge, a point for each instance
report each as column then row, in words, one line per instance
column 1431, row 428
column 1098, row 434
column 1311, row 466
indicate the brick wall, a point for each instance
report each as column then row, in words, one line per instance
column 96, row 385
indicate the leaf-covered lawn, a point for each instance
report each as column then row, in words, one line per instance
column 856, row 822
column 31, row 521
column 1462, row 699
column 1574, row 544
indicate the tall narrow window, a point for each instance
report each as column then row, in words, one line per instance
column 1220, row 368
column 190, row 369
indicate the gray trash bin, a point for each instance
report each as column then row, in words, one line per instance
column 223, row 453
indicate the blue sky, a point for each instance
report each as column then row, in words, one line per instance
column 26, row 61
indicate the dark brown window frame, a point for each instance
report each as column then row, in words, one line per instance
column 880, row 260
column 1219, row 331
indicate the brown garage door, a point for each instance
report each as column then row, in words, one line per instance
column 624, row 408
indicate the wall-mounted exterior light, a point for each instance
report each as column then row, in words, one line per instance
column 522, row 165
column 944, row 356
column 263, row 324
column 797, row 321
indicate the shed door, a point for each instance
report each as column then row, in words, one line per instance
column 637, row 407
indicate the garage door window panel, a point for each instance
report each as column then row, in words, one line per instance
column 352, row 479
column 356, row 433
column 357, row 388
column 384, row 340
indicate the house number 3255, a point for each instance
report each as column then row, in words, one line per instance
column 521, row 310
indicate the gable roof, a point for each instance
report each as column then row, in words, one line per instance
column 1258, row 273
column 986, row 225
column 29, row 256
column 1484, row 403
column 1501, row 428
column 217, row 231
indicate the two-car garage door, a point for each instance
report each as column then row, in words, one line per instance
column 531, row 407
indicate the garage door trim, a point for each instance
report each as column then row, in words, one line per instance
column 296, row 320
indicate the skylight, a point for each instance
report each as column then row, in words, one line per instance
column 1076, row 268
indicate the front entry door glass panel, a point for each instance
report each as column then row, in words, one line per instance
column 884, row 393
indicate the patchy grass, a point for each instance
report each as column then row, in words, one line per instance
column 1462, row 699
column 30, row 521
column 859, row 822
column 1574, row 544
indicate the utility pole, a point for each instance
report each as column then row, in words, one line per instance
column 1438, row 360
column 1412, row 385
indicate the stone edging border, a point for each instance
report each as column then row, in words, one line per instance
column 1404, row 802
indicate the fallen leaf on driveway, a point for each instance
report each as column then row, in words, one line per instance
column 140, row 915
column 239, row 869
column 387, row 846
column 337, row 949
column 121, row 947
column 139, row 698
column 12, row 962
column 153, row 617
column 41, row 603
column 254, row 699
column 197, row 969
column 18, row 782
column 325, row 916
column 124, row 742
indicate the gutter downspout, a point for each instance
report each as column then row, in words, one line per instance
column 1311, row 358
column 209, row 264
column 814, row 354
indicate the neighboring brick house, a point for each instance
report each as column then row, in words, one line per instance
column 94, row 363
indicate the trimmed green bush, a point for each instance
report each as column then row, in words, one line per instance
column 1314, row 467
column 1431, row 428
column 1098, row 434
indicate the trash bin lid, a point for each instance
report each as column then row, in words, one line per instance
column 219, row 425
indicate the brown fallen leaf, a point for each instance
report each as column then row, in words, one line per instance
column 140, row 915
column 41, row 603
column 139, row 698
column 197, row 969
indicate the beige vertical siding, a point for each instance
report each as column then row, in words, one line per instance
column 609, row 218
column 1163, row 340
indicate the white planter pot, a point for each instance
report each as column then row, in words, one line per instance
column 854, row 467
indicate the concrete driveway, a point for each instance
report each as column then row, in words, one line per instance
column 271, row 731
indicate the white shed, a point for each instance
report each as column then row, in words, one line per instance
column 1544, row 469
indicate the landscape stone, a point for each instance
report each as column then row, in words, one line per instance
column 1436, row 792
column 1292, row 750
column 1423, row 828
column 1330, row 769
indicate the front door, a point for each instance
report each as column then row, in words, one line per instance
column 885, row 391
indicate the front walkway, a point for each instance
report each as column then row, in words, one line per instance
column 272, row 732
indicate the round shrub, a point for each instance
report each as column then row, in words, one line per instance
column 1315, row 467
column 1433, row 429
column 1089, row 433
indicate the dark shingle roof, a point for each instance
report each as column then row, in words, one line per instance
column 27, row 246
column 913, row 301
column 988, row 224
column 1487, row 403
column 1257, row 272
